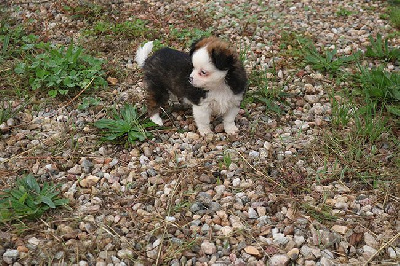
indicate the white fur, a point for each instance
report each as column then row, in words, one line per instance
column 156, row 119
column 202, row 62
column 142, row 53
column 219, row 101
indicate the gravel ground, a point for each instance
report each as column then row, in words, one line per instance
column 172, row 200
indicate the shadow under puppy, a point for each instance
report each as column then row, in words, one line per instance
column 211, row 78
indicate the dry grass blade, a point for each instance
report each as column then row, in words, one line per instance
column 259, row 172
column 381, row 248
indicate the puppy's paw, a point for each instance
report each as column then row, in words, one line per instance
column 205, row 131
column 157, row 119
column 231, row 129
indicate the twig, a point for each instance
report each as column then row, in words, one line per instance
column 76, row 96
column 381, row 248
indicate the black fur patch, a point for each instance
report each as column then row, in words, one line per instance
column 168, row 70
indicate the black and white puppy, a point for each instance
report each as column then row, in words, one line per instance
column 211, row 77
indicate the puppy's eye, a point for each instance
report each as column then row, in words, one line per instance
column 203, row 73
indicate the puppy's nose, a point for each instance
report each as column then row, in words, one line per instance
column 190, row 79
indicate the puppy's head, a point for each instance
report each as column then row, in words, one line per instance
column 212, row 59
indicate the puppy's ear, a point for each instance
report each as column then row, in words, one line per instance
column 193, row 47
column 222, row 58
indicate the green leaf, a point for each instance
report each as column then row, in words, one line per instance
column 48, row 201
column 20, row 68
column 105, row 123
column 393, row 109
column 53, row 93
column 32, row 184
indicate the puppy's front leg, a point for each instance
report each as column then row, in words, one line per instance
column 202, row 114
column 229, row 120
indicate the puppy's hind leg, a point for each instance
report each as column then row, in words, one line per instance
column 156, row 99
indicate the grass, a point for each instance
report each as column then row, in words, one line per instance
column 320, row 214
column 6, row 112
column 88, row 102
column 329, row 61
column 380, row 85
column 380, row 49
column 127, row 123
column 59, row 70
column 343, row 12
column 265, row 94
column 129, row 29
column 29, row 200
column 394, row 16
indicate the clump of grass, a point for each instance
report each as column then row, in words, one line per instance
column 128, row 29
column 380, row 49
column 342, row 110
column 328, row 62
column 59, row 70
column 394, row 16
column 343, row 12
column 187, row 36
column 87, row 102
column 125, row 123
column 321, row 214
column 265, row 94
column 29, row 200
column 380, row 85
column 5, row 112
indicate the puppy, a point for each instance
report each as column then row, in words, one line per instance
column 211, row 78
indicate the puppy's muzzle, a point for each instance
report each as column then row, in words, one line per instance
column 191, row 80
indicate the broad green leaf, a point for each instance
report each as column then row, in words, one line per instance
column 48, row 201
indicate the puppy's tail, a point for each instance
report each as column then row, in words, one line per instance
column 143, row 52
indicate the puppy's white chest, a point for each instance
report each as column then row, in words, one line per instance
column 221, row 100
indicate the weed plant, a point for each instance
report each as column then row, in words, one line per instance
column 5, row 113
column 29, row 200
column 380, row 85
column 129, row 29
column 125, row 123
column 265, row 94
column 59, row 70
column 380, row 49
column 329, row 62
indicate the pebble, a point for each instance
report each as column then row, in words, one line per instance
column 339, row 229
column 10, row 256
column 89, row 181
column 252, row 213
column 293, row 254
column 370, row 240
column 279, row 260
column 252, row 250
column 208, row 247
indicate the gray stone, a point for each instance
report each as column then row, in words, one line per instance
column 307, row 252
column 252, row 213
column 370, row 240
column 279, row 260
column 205, row 228
column 392, row 253
column 299, row 240
column 280, row 239
column 204, row 197
column 326, row 262
column 10, row 256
